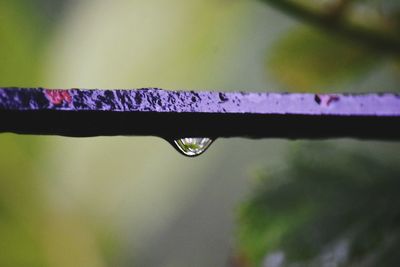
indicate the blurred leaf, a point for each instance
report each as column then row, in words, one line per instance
column 331, row 208
column 307, row 60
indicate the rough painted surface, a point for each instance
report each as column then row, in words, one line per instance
column 158, row 100
column 178, row 114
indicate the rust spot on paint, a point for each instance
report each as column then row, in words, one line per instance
column 57, row 97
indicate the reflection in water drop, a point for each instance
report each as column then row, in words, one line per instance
column 192, row 147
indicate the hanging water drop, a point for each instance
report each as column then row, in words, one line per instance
column 192, row 147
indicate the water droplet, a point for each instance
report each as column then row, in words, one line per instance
column 192, row 147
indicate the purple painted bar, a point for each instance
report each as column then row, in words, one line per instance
column 158, row 100
column 173, row 114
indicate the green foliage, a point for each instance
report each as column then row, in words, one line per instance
column 321, row 205
column 20, row 208
column 307, row 59
column 19, row 44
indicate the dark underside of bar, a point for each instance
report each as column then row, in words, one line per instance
column 185, row 124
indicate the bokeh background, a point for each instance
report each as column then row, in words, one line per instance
column 134, row 201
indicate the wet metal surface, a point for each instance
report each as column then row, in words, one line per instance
column 173, row 114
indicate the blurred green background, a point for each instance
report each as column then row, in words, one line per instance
column 134, row 201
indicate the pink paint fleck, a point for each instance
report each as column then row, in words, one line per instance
column 58, row 96
column 326, row 100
